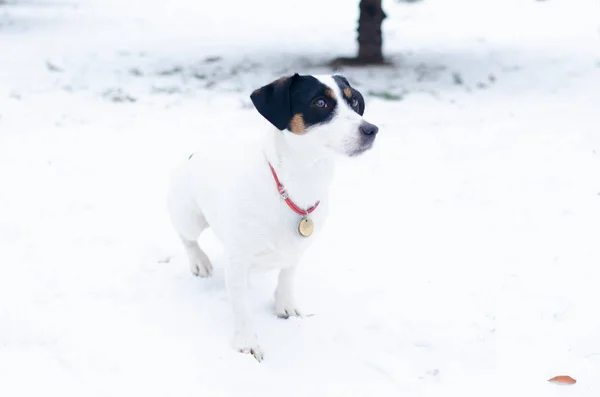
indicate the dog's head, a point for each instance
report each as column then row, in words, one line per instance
column 322, row 111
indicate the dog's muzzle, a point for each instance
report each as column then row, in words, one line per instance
column 368, row 132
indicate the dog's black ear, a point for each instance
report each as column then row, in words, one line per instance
column 273, row 101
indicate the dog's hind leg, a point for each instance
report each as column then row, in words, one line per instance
column 189, row 224
column 199, row 263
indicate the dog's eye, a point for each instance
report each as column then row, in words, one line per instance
column 355, row 102
column 320, row 103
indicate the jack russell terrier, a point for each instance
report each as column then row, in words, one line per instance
column 267, row 209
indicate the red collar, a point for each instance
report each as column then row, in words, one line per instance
column 287, row 199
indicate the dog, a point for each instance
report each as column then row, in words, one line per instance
column 268, row 202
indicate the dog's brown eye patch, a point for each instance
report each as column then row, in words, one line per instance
column 353, row 97
column 297, row 125
column 330, row 93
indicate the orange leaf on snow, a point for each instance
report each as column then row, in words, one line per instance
column 563, row 380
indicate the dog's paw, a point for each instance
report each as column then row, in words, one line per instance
column 287, row 310
column 199, row 262
column 247, row 343
column 202, row 269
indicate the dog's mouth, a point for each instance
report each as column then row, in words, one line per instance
column 357, row 152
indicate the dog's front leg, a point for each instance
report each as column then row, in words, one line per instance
column 236, row 279
column 285, row 305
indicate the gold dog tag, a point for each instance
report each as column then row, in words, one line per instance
column 306, row 227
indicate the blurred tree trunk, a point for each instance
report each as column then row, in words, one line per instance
column 370, row 39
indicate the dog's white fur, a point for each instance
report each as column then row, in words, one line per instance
column 240, row 201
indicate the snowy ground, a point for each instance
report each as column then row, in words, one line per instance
column 474, row 224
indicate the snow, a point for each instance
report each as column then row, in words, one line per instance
column 461, row 255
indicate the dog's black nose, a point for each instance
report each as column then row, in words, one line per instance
column 368, row 128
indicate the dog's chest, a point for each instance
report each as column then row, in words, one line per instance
column 247, row 213
column 280, row 243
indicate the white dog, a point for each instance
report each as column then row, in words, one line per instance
column 264, row 210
